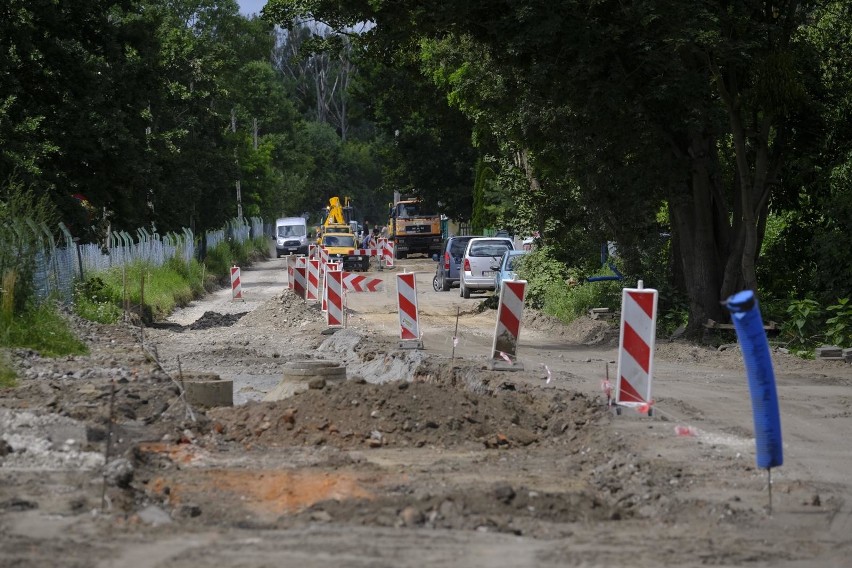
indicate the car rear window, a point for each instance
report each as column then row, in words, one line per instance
column 514, row 261
column 489, row 248
column 457, row 246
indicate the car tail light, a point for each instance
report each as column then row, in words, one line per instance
column 466, row 265
column 446, row 261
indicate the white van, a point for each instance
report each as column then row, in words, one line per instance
column 291, row 236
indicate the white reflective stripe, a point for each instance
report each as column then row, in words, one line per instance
column 632, row 371
column 636, row 317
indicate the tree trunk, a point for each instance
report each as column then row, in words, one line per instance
column 693, row 213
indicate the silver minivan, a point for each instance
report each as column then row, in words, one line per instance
column 476, row 272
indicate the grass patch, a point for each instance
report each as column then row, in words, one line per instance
column 226, row 254
column 40, row 328
column 569, row 302
column 93, row 301
column 152, row 291
column 8, row 377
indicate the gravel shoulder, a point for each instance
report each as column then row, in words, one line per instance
column 419, row 458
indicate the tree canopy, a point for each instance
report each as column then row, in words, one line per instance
column 711, row 141
column 612, row 112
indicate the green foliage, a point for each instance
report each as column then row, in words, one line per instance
column 542, row 272
column 670, row 320
column 807, row 325
column 24, row 216
column 151, row 291
column 192, row 272
column 802, row 329
column 8, row 375
column 569, row 302
column 479, row 220
column 94, row 301
column 220, row 259
column 839, row 330
column 41, row 328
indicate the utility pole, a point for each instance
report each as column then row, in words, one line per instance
column 239, row 193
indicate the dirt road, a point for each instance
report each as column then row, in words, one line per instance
column 417, row 459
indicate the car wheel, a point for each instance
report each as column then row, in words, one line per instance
column 436, row 283
column 445, row 285
column 465, row 292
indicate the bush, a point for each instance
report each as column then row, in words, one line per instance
column 542, row 273
column 802, row 327
column 95, row 302
column 558, row 291
column 839, row 330
column 569, row 302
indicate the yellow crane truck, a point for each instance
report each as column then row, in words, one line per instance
column 341, row 248
column 338, row 218
column 413, row 229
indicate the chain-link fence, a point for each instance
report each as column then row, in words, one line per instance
column 52, row 267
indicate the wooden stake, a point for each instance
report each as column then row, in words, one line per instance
column 769, row 479
column 455, row 337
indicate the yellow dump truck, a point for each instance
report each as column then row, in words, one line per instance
column 413, row 229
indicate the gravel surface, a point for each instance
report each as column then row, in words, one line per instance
column 420, row 457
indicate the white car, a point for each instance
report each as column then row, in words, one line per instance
column 476, row 271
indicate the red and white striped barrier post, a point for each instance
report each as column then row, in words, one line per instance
column 236, row 285
column 312, row 291
column 334, row 315
column 388, row 252
column 510, row 313
column 406, row 298
column 312, row 251
column 291, row 264
column 636, row 348
column 300, row 277
column 329, row 266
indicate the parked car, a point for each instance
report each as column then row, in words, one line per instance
column 449, row 262
column 507, row 267
column 479, row 256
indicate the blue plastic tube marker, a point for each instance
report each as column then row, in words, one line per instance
column 748, row 323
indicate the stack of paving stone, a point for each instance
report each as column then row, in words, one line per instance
column 834, row 353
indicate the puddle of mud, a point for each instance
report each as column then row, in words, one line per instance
column 265, row 492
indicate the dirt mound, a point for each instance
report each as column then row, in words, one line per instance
column 286, row 310
column 582, row 330
column 213, row 319
column 356, row 414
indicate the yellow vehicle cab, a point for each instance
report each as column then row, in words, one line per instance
column 341, row 248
